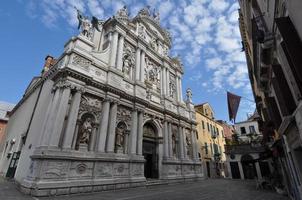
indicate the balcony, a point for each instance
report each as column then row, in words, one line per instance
column 243, row 149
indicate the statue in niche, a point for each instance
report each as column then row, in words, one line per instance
column 128, row 61
column 172, row 89
column 174, row 143
column 120, row 138
column 189, row 95
column 85, row 131
column 153, row 43
column 141, row 31
column 188, row 143
column 165, row 50
column 123, row 12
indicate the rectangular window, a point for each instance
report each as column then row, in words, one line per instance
column 211, row 148
column 208, row 126
column 196, row 135
column 202, row 124
column 242, row 129
column 252, row 129
column 211, row 128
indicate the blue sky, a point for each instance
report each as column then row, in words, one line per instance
column 205, row 35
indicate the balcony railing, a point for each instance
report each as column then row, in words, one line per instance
column 243, row 148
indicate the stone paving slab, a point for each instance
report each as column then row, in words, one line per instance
column 211, row 189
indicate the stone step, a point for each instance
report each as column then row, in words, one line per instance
column 153, row 182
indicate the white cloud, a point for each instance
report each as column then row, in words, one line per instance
column 213, row 63
column 205, row 33
column 218, row 5
column 95, row 8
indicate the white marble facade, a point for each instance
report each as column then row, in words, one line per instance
column 114, row 98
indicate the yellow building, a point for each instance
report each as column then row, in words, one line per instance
column 211, row 141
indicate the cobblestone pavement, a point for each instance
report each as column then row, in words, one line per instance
column 214, row 189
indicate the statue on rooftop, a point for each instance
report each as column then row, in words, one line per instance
column 86, row 25
column 189, row 95
column 123, row 12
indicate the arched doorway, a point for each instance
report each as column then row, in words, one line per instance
column 150, row 151
column 248, row 166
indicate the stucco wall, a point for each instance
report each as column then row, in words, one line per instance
column 16, row 127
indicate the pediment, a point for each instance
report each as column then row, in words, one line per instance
column 153, row 29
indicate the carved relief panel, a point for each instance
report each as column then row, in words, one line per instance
column 152, row 75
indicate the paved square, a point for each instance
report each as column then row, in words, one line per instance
column 214, row 189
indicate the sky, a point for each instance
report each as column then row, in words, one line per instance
column 205, row 34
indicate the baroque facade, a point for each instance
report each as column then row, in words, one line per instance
column 211, row 141
column 272, row 39
column 107, row 114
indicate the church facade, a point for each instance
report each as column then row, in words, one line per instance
column 107, row 114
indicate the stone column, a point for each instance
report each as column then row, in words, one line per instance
column 120, row 53
column 170, row 139
column 113, row 50
column 177, row 89
column 72, row 120
column 60, row 118
column 230, row 175
column 180, row 89
column 142, row 69
column 241, row 170
column 166, row 138
column 194, row 143
column 258, row 170
column 92, row 139
column 112, row 126
column 133, row 133
column 181, row 142
column 103, row 126
column 50, row 118
column 137, row 63
column 140, row 133
column 164, row 85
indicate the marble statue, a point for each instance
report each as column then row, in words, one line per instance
column 119, row 141
column 189, row 95
column 123, row 12
column 85, row 131
column 174, row 143
column 188, row 144
column 86, row 25
column 172, row 89
column 141, row 31
column 128, row 61
column 156, row 16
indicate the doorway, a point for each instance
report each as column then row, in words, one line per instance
column 150, row 151
column 235, row 170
